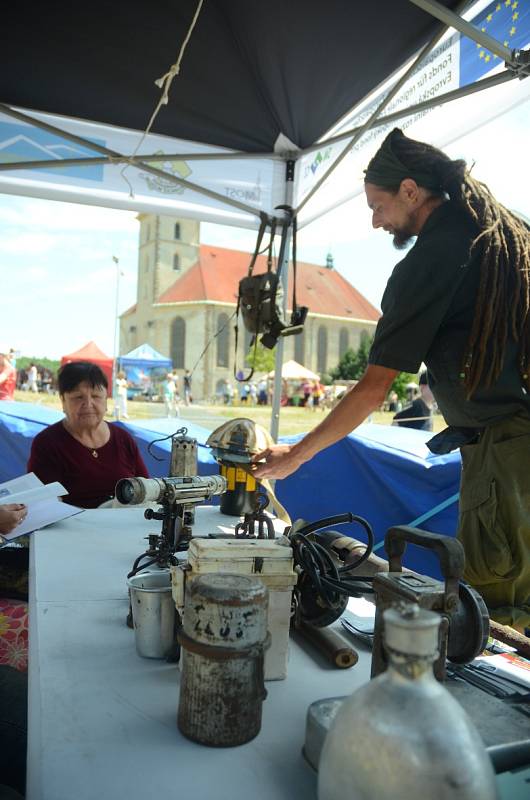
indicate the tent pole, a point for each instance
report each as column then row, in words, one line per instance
column 114, row 348
column 112, row 154
column 81, row 162
column 283, row 263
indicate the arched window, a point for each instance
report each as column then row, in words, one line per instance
column 344, row 341
column 223, row 340
column 299, row 348
column 177, row 230
column 322, row 350
column 178, row 342
column 176, row 262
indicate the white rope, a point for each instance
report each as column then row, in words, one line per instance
column 164, row 83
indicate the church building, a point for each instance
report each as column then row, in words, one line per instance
column 187, row 296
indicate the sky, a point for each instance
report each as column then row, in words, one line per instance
column 60, row 282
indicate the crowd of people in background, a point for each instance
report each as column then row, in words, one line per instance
column 174, row 390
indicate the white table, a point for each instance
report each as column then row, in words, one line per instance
column 102, row 720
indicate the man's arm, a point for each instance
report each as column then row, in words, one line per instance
column 355, row 406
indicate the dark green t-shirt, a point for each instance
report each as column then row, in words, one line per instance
column 428, row 308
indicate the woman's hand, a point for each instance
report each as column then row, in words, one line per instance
column 11, row 515
column 277, row 461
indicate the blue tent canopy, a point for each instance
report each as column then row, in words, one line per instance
column 144, row 367
column 144, row 357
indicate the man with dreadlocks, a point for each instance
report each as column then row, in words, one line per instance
column 460, row 302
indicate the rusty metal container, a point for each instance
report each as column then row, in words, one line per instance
column 223, row 639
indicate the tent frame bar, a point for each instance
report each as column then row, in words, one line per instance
column 80, row 162
column 455, row 94
column 512, row 58
column 112, row 154
column 133, row 160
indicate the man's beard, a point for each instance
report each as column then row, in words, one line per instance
column 402, row 239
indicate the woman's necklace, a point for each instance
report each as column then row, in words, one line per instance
column 92, row 450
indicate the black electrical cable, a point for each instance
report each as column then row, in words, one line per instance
column 180, row 432
column 330, row 581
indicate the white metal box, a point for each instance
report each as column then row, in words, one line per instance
column 270, row 560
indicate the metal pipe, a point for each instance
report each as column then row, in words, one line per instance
column 284, row 267
column 90, row 162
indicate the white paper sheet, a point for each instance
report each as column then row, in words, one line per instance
column 42, row 501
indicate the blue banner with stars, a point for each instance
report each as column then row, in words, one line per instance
column 508, row 21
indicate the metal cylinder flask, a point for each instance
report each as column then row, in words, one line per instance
column 403, row 736
column 223, row 640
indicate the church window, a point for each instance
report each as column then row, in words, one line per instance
column 178, row 342
column 344, row 341
column 176, row 262
column 299, row 348
column 322, row 350
column 177, row 230
column 223, row 340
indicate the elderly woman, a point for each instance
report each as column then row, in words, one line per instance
column 82, row 451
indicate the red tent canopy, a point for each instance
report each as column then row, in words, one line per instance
column 91, row 352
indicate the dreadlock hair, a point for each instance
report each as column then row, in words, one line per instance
column 502, row 307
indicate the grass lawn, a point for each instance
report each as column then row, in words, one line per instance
column 292, row 420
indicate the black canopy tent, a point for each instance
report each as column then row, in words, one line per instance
column 257, row 78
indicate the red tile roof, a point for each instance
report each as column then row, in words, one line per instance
column 216, row 275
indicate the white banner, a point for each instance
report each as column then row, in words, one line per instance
column 254, row 182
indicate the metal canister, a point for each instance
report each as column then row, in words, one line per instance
column 223, row 640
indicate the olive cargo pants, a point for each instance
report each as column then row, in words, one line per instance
column 494, row 525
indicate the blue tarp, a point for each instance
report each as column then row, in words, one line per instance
column 385, row 474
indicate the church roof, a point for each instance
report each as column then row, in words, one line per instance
column 216, row 275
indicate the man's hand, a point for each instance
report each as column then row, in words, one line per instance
column 279, row 462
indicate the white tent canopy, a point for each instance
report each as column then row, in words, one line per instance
column 292, row 370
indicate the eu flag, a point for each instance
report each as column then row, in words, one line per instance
column 508, row 21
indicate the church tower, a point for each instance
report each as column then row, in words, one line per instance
column 168, row 247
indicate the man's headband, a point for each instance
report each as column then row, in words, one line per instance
column 387, row 170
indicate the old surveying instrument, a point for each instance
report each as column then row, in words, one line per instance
column 178, row 494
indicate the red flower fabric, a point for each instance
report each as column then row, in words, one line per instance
column 14, row 634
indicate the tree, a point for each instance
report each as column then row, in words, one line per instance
column 23, row 362
column 260, row 358
column 400, row 382
column 353, row 364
